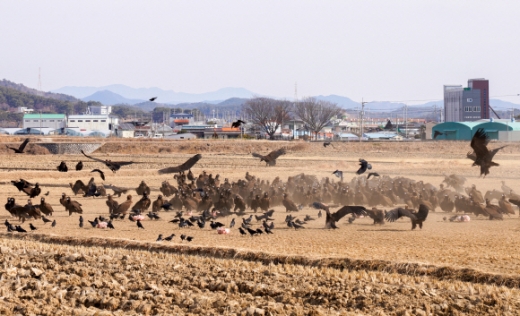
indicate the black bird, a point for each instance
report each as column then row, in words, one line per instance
column 31, row 226
column 183, row 237
column 47, row 194
column 101, row 173
column 53, row 223
column 363, row 166
column 481, row 155
column 375, row 174
column 45, row 220
column 259, row 231
column 201, row 223
column 437, row 133
column 325, row 144
column 81, row 221
column 268, row 230
column 297, row 226
column 215, row 225
column 417, row 217
column 139, row 225
column 338, row 174
column 332, row 218
column 159, row 238
column 169, row 238
column 20, row 149
column 232, row 224
column 63, row 167
column 94, row 222
column 237, row 123
column 252, row 232
column 79, row 166
column 112, row 165
column 153, row 99
column 20, row 229
column 242, row 231
column 184, row 167
column 110, row 225
column 22, row 184
column 189, row 238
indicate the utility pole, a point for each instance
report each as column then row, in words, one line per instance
column 406, row 120
column 361, row 115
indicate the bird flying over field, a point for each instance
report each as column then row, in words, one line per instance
column 237, row 123
column 153, row 99
column 375, row 174
column 417, row 217
column 184, row 167
column 325, row 144
column 20, row 149
column 481, row 155
column 270, row 159
column 112, row 165
column 338, row 174
column 437, row 133
column 101, row 173
column 332, row 218
column 363, row 166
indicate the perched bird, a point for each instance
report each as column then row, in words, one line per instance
column 47, row 194
column 232, row 224
column 45, row 207
column 184, row 167
column 183, row 237
column 110, row 225
column 242, row 231
column 270, row 159
column 45, row 220
column 31, row 226
column 20, row 229
column 20, row 149
column 153, row 99
column 101, row 173
column 237, row 123
column 63, row 167
column 159, row 238
column 80, row 221
column 112, row 165
column 332, row 218
column 53, row 223
column 79, row 166
column 363, row 166
column 21, row 185
column 189, row 238
column 169, row 238
column 417, row 217
column 481, row 155
column 375, row 174
column 252, row 232
column 139, row 224
column 215, row 225
column 436, row 134
column 338, row 174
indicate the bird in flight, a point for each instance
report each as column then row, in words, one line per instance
column 270, row 159
column 153, row 99
column 481, row 155
column 338, row 174
column 112, row 165
column 184, row 167
column 375, row 174
column 20, row 149
column 437, row 133
column 332, row 218
column 325, row 144
column 237, row 123
column 101, row 173
column 363, row 166
column 417, row 217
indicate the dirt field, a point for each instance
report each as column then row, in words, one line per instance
column 480, row 246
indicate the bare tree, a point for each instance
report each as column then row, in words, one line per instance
column 316, row 114
column 268, row 113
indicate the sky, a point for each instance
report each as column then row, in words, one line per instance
column 370, row 49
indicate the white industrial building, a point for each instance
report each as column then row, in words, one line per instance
column 100, row 110
column 37, row 120
column 90, row 122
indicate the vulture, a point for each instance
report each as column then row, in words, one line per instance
column 481, row 155
column 45, row 207
column 436, row 134
column 494, row 211
column 184, row 167
column 363, row 166
column 325, row 144
column 143, row 189
column 270, row 159
column 124, row 207
column 20, row 185
column 237, row 123
column 290, row 206
column 79, row 166
column 20, row 149
column 73, row 206
column 377, row 215
column 143, row 204
column 111, row 203
column 455, row 181
column 505, row 206
column 63, row 167
column 332, row 218
column 32, row 192
column 417, row 217
column 112, row 165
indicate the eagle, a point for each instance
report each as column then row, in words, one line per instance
column 270, row 159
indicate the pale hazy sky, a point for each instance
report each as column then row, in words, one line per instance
column 379, row 50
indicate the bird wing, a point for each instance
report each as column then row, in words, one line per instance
column 479, row 143
column 100, row 173
column 90, row 157
column 258, row 156
column 394, row 214
column 276, row 153
column 494, row 152
column 515, row 202
column 22, row 146
column 363, row 166
column 185, row 166
column 358, row 210
column 471, row 155
column 320, row 206
column 422, row 213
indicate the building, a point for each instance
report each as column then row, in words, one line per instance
column 467, row 104
column 38, row 120
column 90, row 122
column 466, row 130
column 100, row 109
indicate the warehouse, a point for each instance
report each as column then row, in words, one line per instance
column 454, row 130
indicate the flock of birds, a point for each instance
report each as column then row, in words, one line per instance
column 214, row 199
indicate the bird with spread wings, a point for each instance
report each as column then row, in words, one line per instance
column 184, row 167
column 332, row 218
column 20, row 149
column 270, row 159
column 481, row 155
column 112, row 165
column 417, row 217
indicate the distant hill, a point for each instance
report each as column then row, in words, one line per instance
column 163, row 96
column 110, row 98
column 342, row 102
column 21, row 88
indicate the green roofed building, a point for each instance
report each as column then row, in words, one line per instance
column 454, row 130
column 37, row 120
